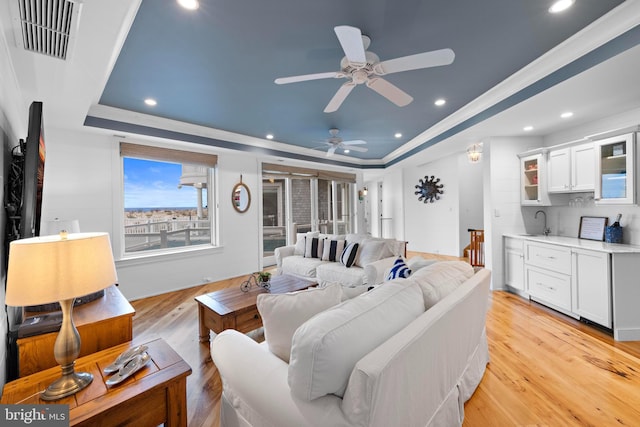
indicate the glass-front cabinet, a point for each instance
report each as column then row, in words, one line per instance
column 615, row 170
column 533, row 190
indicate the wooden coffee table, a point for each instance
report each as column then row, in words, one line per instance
column 232, row 308
column 157, row 394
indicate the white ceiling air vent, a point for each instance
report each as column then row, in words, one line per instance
column 48, row 26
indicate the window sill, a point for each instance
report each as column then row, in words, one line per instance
column 169, row 255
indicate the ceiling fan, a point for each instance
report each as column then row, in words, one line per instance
column 362, row 66
column 335, row 142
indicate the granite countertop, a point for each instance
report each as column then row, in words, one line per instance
column 574, row 242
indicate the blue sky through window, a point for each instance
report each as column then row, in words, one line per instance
column 154, row 184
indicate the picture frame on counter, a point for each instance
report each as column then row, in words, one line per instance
column 592, row 227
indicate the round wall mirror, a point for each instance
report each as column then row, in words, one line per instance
column 241, row 197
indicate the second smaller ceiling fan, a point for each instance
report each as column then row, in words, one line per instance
column 335, row 142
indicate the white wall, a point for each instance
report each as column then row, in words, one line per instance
column 433, row 227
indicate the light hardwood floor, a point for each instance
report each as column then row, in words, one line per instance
column 546, row 369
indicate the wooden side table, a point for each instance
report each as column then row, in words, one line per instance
column 102, row 323
column 154, row 395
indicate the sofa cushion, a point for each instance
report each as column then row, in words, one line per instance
column 348, row 257
column 439, row 279
column 332, row 250
column 300, row 266
column 313, row 247
column 282, row 314
column 417, row 262
column 325, row 349
column 399, row 270
column 334, row 272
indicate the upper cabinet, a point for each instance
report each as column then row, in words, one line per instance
column 572, row 169
column 615, row 170
column 533, row 188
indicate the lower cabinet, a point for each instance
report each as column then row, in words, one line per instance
column 574, row 281
column 549, row 286
column 592, row 286
column 514, row 263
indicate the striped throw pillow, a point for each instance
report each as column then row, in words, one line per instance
column 313, row 247
column 399, row 270
column 348, row 256
column 332, row 250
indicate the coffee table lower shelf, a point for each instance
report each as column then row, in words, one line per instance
column 232, row 308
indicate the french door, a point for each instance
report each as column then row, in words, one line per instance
column 293, row 205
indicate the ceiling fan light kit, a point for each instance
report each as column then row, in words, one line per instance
column 361, row 66
column 335, row 142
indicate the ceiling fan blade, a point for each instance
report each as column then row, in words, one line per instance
column 356, row 148
column 305, row 77
column 351, row 41
column 339, row 97
column 331, row 150
column 390, row 91
column 354, row 142
column 434, row 58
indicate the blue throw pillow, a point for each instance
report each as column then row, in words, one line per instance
column 399, row 270
column 348, row 256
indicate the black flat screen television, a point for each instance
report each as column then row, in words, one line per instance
column 34, row 157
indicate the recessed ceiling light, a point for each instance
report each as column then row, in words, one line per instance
column 566, row 115
column 189, row 4
column 398, row 135
column 269, row 136
column 528, row 128
column 561, row 5
column 151, row 102
column 346, row 150
column 440, row 102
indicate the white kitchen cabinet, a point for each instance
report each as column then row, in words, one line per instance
column 533, row 180
column 548, row 274
column 615, row 170
column 591, row 286
column 572, row 169
column 514, row 263
column 585, row 279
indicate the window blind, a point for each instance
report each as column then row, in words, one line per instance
column 167, row 154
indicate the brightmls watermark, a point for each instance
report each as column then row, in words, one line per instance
column 34, row 415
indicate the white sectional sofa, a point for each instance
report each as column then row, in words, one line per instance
column 409, row 352
column 374, row 257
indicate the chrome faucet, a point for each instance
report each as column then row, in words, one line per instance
column 545, row 230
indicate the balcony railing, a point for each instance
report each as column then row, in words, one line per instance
column 141, row 236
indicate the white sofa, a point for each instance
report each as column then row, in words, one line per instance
column 367, row 270
column 419, row 375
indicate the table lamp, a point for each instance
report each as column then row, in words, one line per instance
column 60, row 268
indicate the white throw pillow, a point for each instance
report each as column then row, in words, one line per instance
column 370, row 251
column 440, row 279
column 325, row 349
column 282, row 314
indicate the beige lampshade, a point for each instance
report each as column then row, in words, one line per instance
column 51, row 268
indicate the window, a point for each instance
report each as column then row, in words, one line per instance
column 166, row 198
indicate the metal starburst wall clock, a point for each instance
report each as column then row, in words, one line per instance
column 429, row 189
